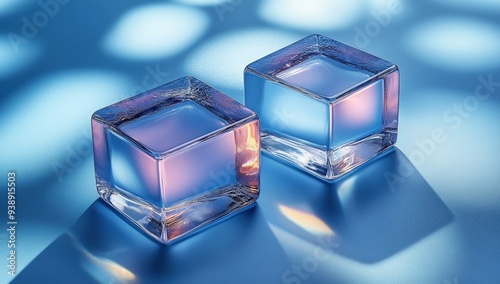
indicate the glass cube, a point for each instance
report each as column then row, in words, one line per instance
column 177, row 158
column 324, row 107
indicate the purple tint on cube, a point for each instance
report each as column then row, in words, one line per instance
column 325, row 107
column 187, row 115
column 177, row 158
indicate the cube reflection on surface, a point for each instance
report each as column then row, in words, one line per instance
column 325, row 107
column 177, row 158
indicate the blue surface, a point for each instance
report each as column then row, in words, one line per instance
column 434, row 220
column 360, row 219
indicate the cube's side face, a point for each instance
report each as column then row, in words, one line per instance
column 122, row 166
column 295, row 127
column 127, row 178
column 287, row 112
column 358, row 115
column 209, row 181
column 177, row 158
column 391, row 103
column 364, row 124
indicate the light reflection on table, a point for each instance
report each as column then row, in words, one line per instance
column 361, row 217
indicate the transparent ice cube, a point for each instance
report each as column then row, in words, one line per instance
column 325, row 107
column 177, row 158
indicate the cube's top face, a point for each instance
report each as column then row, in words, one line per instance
column 321, row 67
column 174, row 115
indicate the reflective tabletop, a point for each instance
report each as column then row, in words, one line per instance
column 425, row 212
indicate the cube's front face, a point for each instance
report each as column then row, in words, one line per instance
column 324, row 106
column 177, row 158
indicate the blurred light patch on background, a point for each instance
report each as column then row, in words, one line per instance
column 456, row 113
column 204, row 2
column 456, row 43
column 11, row 61
column 316, row 15
column 222, row 60
column 48, row 115
column 377, row 5
column 44, row 113
column 477, row 5
column 416, row 127
column 459, row 113
column 10, row 6
column 155, row 31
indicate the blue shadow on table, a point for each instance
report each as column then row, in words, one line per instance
column 102, row 247
column 369, row 215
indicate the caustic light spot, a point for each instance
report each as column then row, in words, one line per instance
column 378, row 5
column 311, row 14
column 9, row 6
column 155, row 31
column 204, row 2
column 481, row 5
column 12, row 61
column 102, row 268
column 223, row 59
column 307, row 221
column 456, row 43
column 46, row 117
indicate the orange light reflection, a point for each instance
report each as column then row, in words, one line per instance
column 307, row 221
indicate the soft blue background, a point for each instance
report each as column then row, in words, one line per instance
column 436, row 222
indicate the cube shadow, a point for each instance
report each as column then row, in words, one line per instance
column 372, row 213
column 102, row 247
